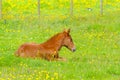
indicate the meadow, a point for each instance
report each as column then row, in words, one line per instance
column 97, row 40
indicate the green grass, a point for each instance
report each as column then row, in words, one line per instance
column 97, row 40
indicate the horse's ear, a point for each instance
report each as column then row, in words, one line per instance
column 65, row 30
column 68, row 31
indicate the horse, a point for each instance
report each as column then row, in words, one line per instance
column 49, row 49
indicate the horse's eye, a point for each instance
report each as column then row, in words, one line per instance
column 71, row 40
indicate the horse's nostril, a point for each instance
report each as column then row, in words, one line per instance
column 73, row 49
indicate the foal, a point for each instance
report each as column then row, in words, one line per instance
column 49, row 49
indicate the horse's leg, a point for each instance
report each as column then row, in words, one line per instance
column 58, row 58
column 54, row 58
column 56, row 55
column 49, row 57
column 61, row 59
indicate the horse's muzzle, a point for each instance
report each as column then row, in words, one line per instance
column 73, row 49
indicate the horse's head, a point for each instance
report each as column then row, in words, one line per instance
column 68, row 42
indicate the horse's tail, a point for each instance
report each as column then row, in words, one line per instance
column 18, row 52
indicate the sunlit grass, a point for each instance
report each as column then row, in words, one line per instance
column 97, row 55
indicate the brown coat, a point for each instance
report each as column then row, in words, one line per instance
column 49, row 49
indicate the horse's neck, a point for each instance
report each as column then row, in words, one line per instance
column 55, row 42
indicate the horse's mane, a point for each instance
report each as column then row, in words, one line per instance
column 54, row 38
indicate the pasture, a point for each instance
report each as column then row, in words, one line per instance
column 97, row 40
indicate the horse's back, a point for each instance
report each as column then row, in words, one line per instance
column 27, row 50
